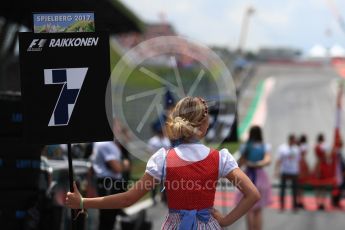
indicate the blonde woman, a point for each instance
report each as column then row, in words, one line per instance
column 189, row 172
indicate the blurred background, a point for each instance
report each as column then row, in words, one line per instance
column 287, row 61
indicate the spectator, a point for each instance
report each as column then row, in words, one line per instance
column 339, row 175
column 287, row 167
column 255, row 155
column 323, row 170
column 108, row 167
column 304, row 174
column 158, row 141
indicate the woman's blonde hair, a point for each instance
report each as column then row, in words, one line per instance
column 186, row 118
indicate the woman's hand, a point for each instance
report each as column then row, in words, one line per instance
column 218, row 216
column 250, row 196
column 252, row 164
column 73, row 199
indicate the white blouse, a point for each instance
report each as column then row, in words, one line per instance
column 190, row 152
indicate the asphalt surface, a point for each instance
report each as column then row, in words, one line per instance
column 302, row 101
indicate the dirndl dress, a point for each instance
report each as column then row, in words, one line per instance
column 260, row 179
column 191, row 208
column 173, row 221
column 255, row 152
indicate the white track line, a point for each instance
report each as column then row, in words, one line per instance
column 260, row 113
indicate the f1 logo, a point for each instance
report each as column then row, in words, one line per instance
column 37, row 44
column 71, row 80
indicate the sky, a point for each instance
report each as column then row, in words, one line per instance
column 276, row 23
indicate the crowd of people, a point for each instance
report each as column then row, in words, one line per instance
column 292, row 166
column 327, row 174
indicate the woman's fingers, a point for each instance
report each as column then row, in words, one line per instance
column 73, row 198
column 216, row 214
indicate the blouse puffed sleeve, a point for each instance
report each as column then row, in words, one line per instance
column 155, row 165
column 227, row 163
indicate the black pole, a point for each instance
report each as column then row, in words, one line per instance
column 70, row 175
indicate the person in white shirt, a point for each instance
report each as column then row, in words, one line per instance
column 287, row 167
column 158, row 141
column 108, row 166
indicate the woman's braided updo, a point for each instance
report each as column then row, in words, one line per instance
column 186, row 118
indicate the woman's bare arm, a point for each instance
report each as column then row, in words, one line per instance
column 266, row 161
column 250, row 196
column 116, row 201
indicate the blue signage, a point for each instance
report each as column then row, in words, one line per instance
column 63, row 22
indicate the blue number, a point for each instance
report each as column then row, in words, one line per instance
column 71, row 80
